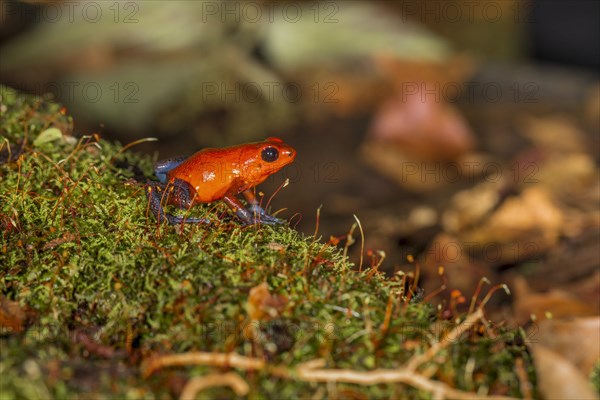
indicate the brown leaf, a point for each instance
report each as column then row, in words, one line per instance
column 91, row 345
column 582, row 277
column 577, row 340
column 592, row 107
column 65, row 238
column 12, row 316
column 587, row 289
column 423, row 126
column 462, row 272
column 570, row 173
column 417, row 174
column 558, row 378
column 262, row 305
column 523, row 226
column 418, row 120
column 469, row 207
column 555, row 303
column 554, row 132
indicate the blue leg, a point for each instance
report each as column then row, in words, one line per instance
column 178, row 193
column 162, row 167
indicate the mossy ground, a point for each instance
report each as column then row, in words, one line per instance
column 91, row 286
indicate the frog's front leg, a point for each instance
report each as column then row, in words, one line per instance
column 162, row 167
column 177, row 193
column 255, row 208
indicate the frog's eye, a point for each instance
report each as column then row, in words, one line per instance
column 269, row 154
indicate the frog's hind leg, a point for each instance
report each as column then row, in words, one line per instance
column 162, row 167
column 177, row 193
column 154, row 193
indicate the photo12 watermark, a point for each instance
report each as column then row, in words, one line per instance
column 467, row 11
column 269, row 91
column 469, row 171
column 470, row 92
column 118, row 92
column 270, row 11
column 91, row 12
column 491, row 252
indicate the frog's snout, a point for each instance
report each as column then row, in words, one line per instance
column 289, row 154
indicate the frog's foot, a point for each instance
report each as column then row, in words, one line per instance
column 155, row 193
column 253, row 214
column 261, row 216
column 173, row 220
column 261, row 220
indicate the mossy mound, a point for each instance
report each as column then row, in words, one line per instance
column 92, row 287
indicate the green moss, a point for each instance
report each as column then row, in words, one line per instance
column 595, row 377
column 103, row 287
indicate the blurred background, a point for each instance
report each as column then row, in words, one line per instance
column 463, row 133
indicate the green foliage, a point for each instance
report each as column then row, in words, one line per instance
column 103, row 287
column 595, row 377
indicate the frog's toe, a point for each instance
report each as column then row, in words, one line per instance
column 270, row 220
column 174, row 220
column 261, row 216
column 256, row 220
column 265, row 219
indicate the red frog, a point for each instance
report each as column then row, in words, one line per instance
column 218, row 174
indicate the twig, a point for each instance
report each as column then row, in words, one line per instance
column 309, row 372
column 523, row 379
column 197, row 384
column 417, row 360
column 202, row 358
column 313, row 371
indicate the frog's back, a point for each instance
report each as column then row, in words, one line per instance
column 210, row 172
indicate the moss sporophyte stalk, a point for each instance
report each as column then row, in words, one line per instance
column 97, row 297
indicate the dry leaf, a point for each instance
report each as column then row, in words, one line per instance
column 566, row 173
column 65, row 238
column 12, row 316
column 576, row 340
column 461, row 271
column 559, row 379
column 423, row 126
column 522, row 227
column 592, row 106
column 556, row 304
column 587, row 288
column 556, row 133
column 262, row 305
column 469, row 207
column 416, row 174
column 419, row 119
column 582, row 277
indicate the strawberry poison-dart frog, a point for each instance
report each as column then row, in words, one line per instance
column 218, row 174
